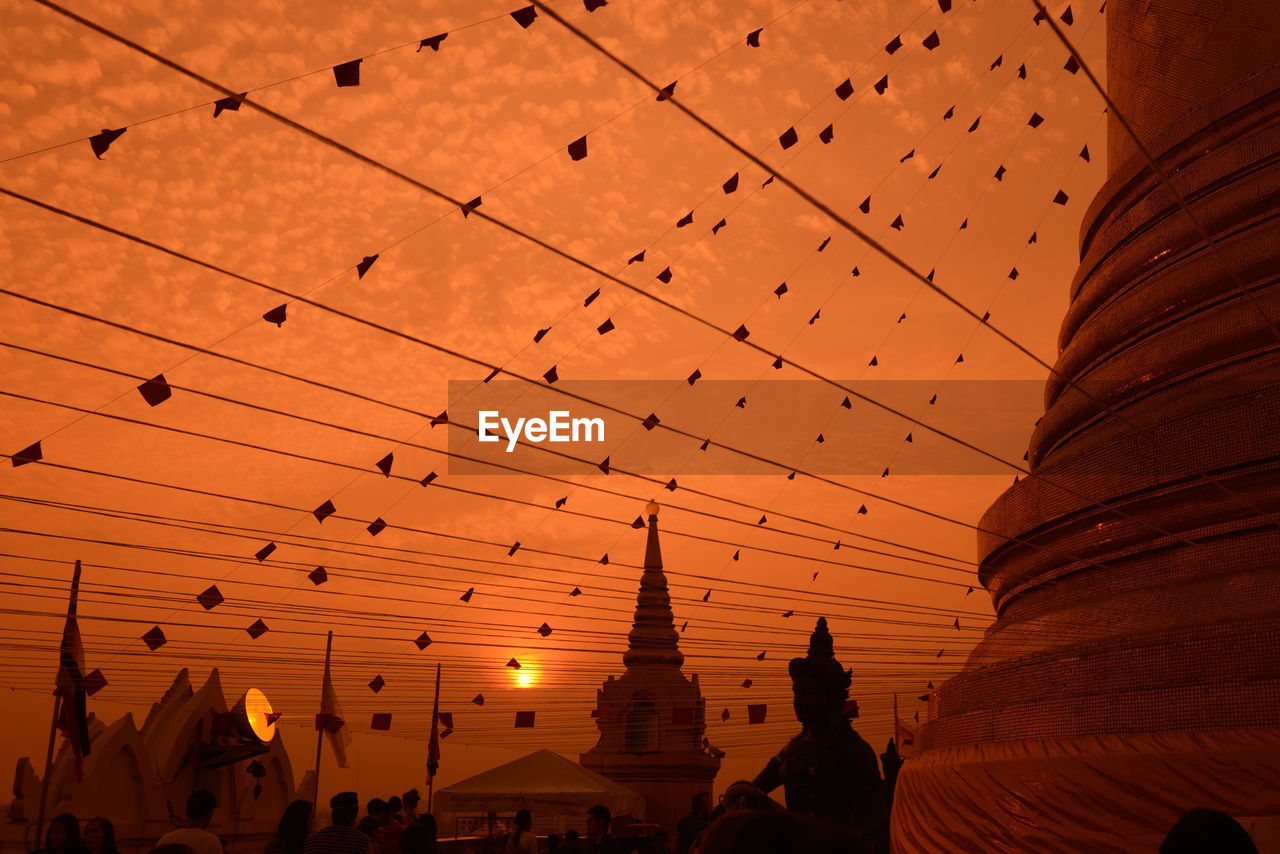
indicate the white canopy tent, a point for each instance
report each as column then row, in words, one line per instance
column 557, row 791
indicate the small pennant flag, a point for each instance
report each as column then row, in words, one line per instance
column 377, row 683
column 874, row 362
column 324, row 511
column 636, row 258
column 974, row 126
column 578, row 149
column 1084, row 154
column 422, row 641
column 882, row 84
column 466, row 597
column 847, row 403
column 957, row 624
column 478, row 699
column 381, row 721
column 823, row 244
column 742, row 403
column 746, row 683
column 731, row 185
column 931, row 41
column 741, row 333
column 376, row 527
column 29, row 454
column 694, row 377
column 788, row 138
column 687, row 219
column 1022, row 71
column 433, row 42
column 318, row 576
column 540, row 334
column 936, row 170
column 100, row 142
column 551, row 375
column 760, row 657
column 155, row 391
column 544, row 630
column 650, row 421
column 865, row 205
column 1035, row 121
column 671, row 485
column 154, row 638
column 706, row 596
column 910, row 154
column 724, row 716
column 1060, row 198
column 230, row 103
column 575, row 592
column 844, row 90
column 264, row 552
column 753, row 38
column 514, row 548
column 780, row 290
column 756, row 713
column 1013, row 274
column 1000, row 173
column 862, row 511
column 944, row 5
column 664, row 276
column 897, row 223
column 1072, row 65
column 347, row 73
column 820, row 439
column 257, row 630
column 513, row 664
column 525, row 17
column 591, row 298
column 827, row 134
column 94, row 682
column 603, row 465
column 426, row 481
column 384, row 464
column 667, row 91
column 638, row 523
column 815, row 317
column 524, row 720
column 892, row 47
column 999, row 61
column 276, row 315
column 210, row 598
column 471, row 205
column 715, row 229
column 763, row 519
column 1066, row 17
column 363, row 266
column 777, row 364
column 604, row 561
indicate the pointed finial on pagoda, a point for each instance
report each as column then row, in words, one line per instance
column 653, row 639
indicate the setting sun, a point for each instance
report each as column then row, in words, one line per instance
column 524, row 680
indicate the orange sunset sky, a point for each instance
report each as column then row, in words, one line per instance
column 161, row 502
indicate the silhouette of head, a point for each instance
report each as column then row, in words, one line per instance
column 819, row 683
column 1202, row 830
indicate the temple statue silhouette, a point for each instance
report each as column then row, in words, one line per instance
column 652, row 719
column 1133, row 670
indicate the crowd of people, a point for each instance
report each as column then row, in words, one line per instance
column 394, row 826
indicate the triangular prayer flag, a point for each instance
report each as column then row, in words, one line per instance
column 229, row 103
column 210, row 598
column 363, row 266
column 823, row 244
column 964, row 224
column 949, row 113
column 694, row 377
column 575, row 592
column 650, row 421
column 763, row 519
column 715, row 229
column 544, row 630
column 384, row 464
column 820, row 439
column 1041, row 15
column 974, row 126
column 667, row 91
column 892, row 47
column 908, row 437
column 605, row 327
column 724, row 716
column 1060, row 198
column 442, row 418
column 1000, row 173
column 931, row 41
column 94, row 682
column 478, row 699
column 377, row 683
column 777, row 364
column 865, row 206
column 466, row 597
column 960, row 359
column 380, row 721
column 492, row 374
column 155, row 391
column 844, row 90
column 513, row 664
column 276, row 315
column 897, row 223
column 592, row 5
column 884, row 473
column 741, row 332
column 524, row 17
column 998, row 62
column 788, row 138
column 347, row 73
column 591, row 298
column 603, row 465
column 1035, row 121
column 815, row 317
column 731, row 185
column 1031, row 239
column 30, row 454
column 664, row 276
column 944, row 5
column 100, row 142
column 985, row 317
column 636, row 258
column 827, row 134
column 257, row 630
column 862, row 511
column 760, row 657
column 551, row 375
column 671, row 485
column 515, row 547
column 753, row 38
column 264, row 552
column 746, row 683
column 756, row 713
column 789, row 613
column 1084, row 154
column 847, row 403
column 934, row 173
column 376, row 527
column 1013, row 274
column 433, row 42
column 578, row 149
column 560, row 502
column 1072, row 65
column 471, row 206
column 318, row 576
column 1066, row 17
column 426, row 481
column 874, row 361
column 780, row 290
column 1022, row 71
column 540, row 334
column 910, row 154
column 706, row 596
column 524, row 720
column 742, row 403
column 933, row 400
column 882, row 84
column 638, row 523
column 903, row 316
column 685, row 220
column 705, row 443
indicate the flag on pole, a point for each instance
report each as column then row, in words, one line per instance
column 433, row 746
column 331, row 721
column 73, row 717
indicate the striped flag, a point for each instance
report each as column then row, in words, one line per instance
column 73, row 715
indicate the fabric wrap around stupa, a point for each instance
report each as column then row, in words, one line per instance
column 1132, row 671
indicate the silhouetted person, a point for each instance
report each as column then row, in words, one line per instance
column 521, row 840
column 572, row 844
column 777, row 832
column 891, row 762
column 200, row 807
column 100, row 836
column 63, row 836
column 1206, row 831
column 387, row 835
column 293, row 829
column 340, row 837
column 410, row 800
column 660, row 843
column 688, row 828
column 418, row 838
column 395, row 805
column 553, row 843
column 599, row 841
